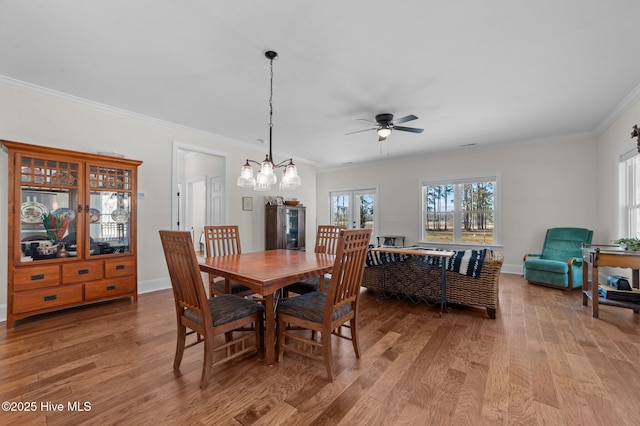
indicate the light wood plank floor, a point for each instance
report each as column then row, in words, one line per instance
column 543, row 361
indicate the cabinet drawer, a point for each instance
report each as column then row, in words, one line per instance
column 33, row 300
column 82, row 272
column 109, row 288
column 119, row 267
column 36, row 277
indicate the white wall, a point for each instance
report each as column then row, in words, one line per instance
column 50, row 119
column 543, row 184
column 612, row 142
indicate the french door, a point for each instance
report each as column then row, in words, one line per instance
column 354, row 209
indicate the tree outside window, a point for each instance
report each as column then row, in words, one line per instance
column 459, row 211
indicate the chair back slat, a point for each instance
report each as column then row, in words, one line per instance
column 327, row 238
column 348, row 269
column 186, row 280
column 222, row 240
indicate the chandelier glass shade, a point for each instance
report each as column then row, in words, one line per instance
column 266, row 176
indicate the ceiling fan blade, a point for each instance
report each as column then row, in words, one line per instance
column 358, row 131
column 405, row 119
column 367, row 120
column 408, row 129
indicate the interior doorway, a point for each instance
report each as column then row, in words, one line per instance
column 199, row 189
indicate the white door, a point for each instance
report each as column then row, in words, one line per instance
column 196, row 209
column 216, row 203
column 354, row 209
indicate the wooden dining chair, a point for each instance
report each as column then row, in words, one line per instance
column 207, row 318
column 223, row 240
column 326, row 242
column 327, row 312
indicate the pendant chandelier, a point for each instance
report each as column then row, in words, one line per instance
column 266, row 175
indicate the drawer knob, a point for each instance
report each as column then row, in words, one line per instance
column 111, row 287
column 83, row 271
column 37, row 277
column 50, row 297
column 120, row 266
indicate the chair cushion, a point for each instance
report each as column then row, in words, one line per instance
column 304, row 287
column 235, row 287
column 310, row 307
column 556, row 266
column 307, row 286
column 225, row 309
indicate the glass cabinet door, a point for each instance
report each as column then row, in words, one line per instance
column 292, row 219
column 50, row 199
column 109, row 210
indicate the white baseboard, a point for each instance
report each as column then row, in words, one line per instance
column 149, row 286
column 511, row 269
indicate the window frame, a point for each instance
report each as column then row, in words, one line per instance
column 457, row 213
column 628, row 181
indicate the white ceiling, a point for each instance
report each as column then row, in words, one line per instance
column 482, row 72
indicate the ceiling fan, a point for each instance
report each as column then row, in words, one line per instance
column 385, row 124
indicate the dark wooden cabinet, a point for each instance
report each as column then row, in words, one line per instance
column 72, row 229
column 285, row 227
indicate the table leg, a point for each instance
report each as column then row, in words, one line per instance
column 270, row 329
column 443, row 300
column 585, row 282
column 595, row 294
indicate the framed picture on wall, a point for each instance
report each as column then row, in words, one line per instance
column 279, row 200
column 247, row 203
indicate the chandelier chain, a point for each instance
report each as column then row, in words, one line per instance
column 271, row 98
column 266, row 177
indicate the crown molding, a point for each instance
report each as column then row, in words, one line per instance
column 626, row 103
column 12, row 83
column 54, row 94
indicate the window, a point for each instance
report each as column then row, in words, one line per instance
column 354, row 209
column 459, row 211
column 630, row 194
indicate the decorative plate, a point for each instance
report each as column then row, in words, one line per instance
column 65, row 212
column 32, row 211
column 94, row 216
column 120, row 215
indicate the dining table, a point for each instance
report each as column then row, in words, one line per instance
column 266, row 273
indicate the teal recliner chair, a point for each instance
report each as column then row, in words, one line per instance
column 560, row 263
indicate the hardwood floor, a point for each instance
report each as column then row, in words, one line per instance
column 543, row 361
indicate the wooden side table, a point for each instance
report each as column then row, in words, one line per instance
column 607, row 255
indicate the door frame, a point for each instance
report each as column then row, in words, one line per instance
column 176, row 145
column 352, row 193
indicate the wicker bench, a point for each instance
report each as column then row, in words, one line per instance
column 405, row 281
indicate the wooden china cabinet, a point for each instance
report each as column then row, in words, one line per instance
column 285, row 227
column 72, row 229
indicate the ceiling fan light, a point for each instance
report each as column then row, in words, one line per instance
column 384, row 131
